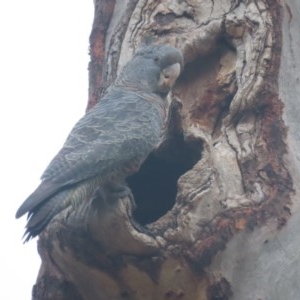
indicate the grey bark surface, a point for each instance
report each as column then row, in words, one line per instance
column 230, row 230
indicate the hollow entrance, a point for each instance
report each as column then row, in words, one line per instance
column 155, row 185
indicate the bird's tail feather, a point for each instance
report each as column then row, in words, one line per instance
column 41, row 215
column 40, row 212
column 36, row 199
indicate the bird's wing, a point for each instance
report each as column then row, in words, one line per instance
column 122, row 129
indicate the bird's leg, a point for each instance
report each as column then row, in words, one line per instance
column 119, row 190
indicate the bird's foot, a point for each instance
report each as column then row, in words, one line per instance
column 117, row 191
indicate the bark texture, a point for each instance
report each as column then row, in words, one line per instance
column 216, row 214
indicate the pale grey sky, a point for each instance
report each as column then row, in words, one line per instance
column 43, row 92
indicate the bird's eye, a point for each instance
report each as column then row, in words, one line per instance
column 156, row 59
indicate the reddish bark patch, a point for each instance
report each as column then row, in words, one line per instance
column 204, row 95
column 103, row 13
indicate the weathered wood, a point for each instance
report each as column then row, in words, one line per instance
column 216, row 214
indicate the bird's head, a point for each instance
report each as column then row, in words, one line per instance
column 152, row 69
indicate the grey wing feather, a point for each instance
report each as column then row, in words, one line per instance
column 43, row 191
column 105, row 139
column 102, row 135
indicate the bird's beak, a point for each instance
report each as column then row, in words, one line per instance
column 168, row 77
column 172, row 71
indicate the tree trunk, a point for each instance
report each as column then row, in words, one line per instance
column 216, row 216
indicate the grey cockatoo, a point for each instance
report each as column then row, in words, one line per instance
column 110, row 141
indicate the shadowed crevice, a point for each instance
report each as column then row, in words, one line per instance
column 155, row 185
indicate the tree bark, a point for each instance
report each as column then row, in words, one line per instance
column 217, row 208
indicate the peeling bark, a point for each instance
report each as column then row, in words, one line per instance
column 216, row 213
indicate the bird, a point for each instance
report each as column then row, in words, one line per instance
column 111, row 141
